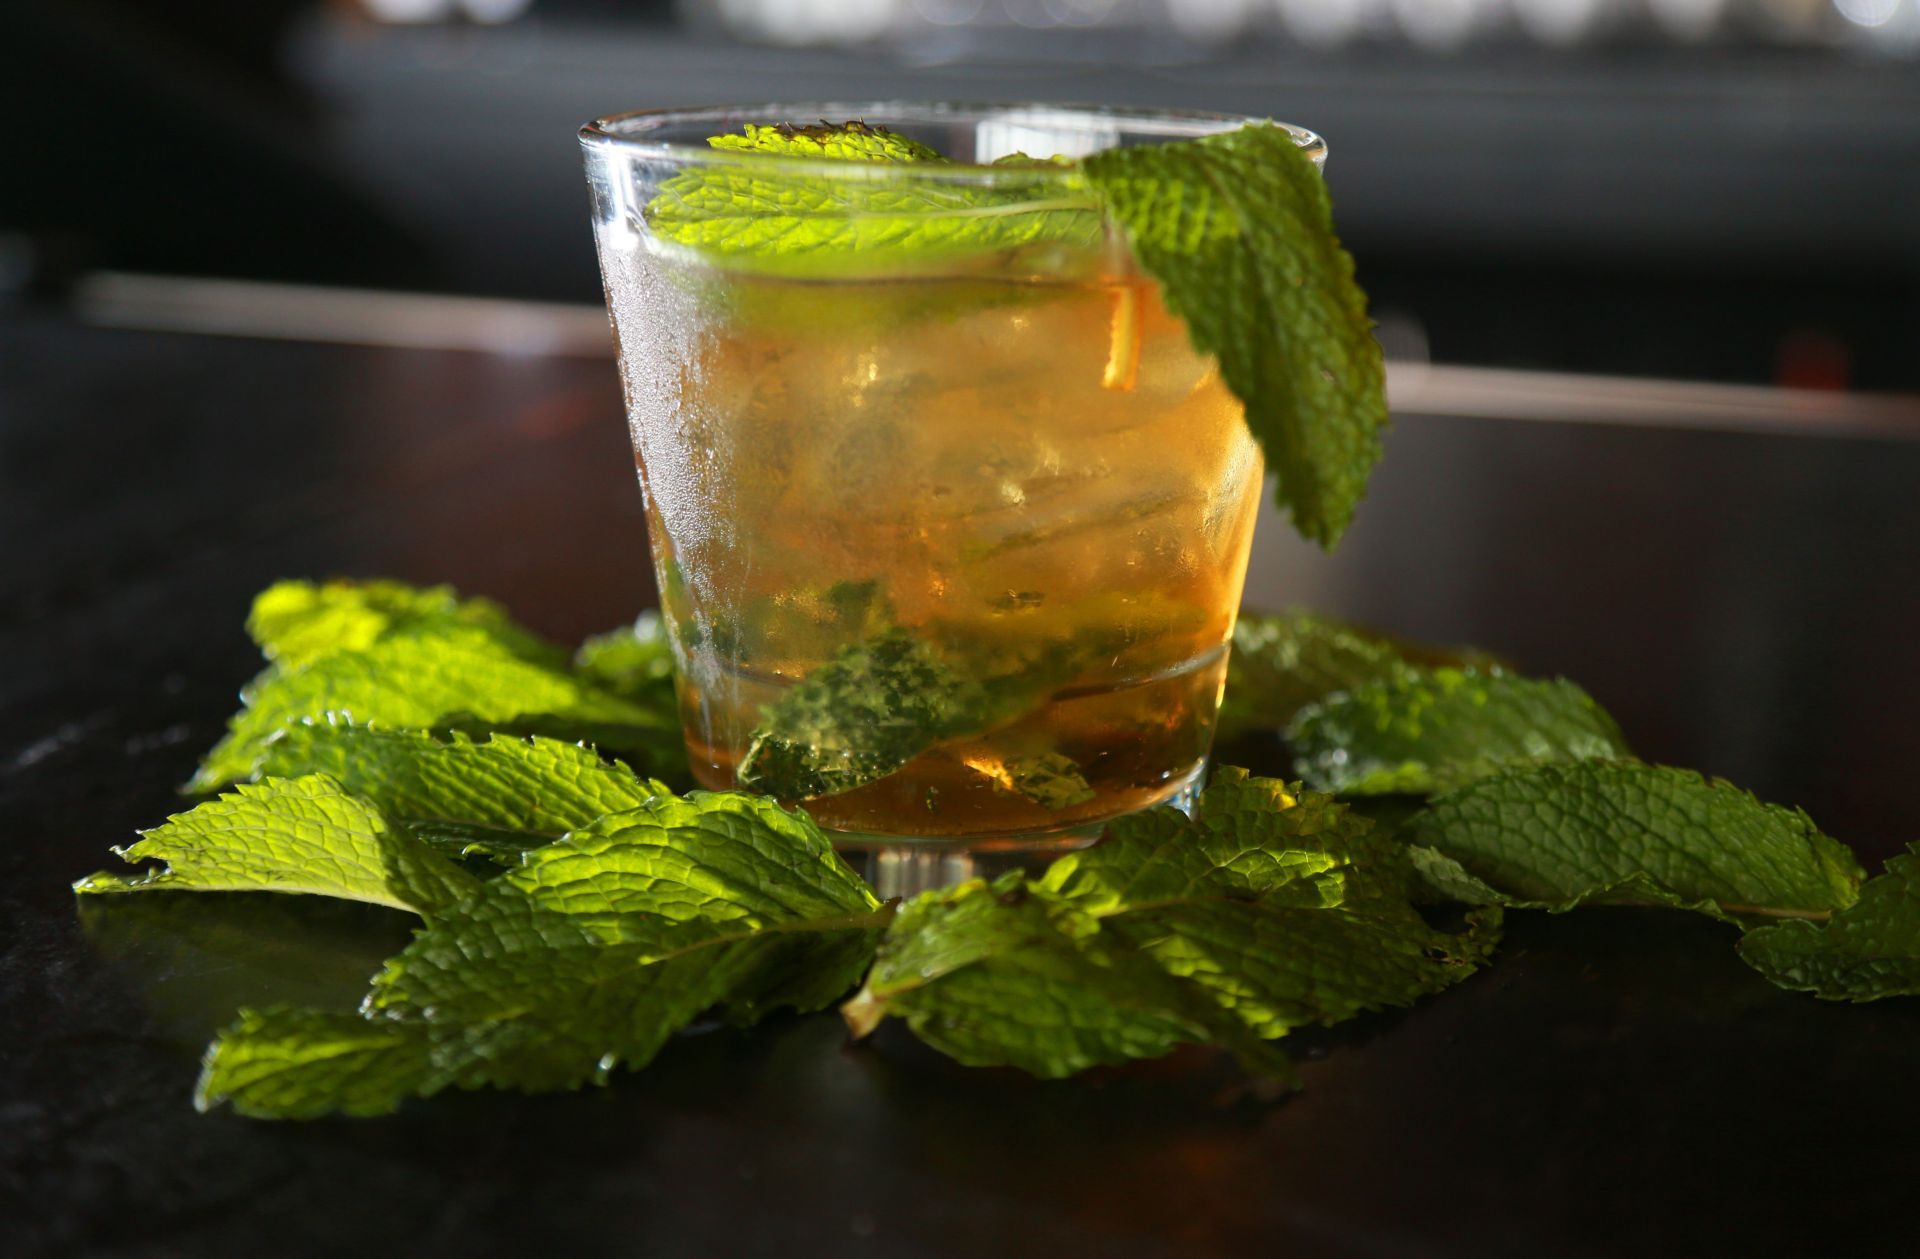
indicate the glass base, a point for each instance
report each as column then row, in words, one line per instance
column 905, row 866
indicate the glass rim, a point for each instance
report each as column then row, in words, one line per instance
column 633, row 133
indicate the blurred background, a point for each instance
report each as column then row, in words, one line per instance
column 1713, row 189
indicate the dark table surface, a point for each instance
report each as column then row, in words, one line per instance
column 1618, row 1084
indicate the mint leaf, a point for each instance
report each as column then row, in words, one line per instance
column 857, row 718
column 538, row 789
column 1049, row 779
column 1619, row 832
column 992, row 974
column 878, row 703
column 420, row 678
column 1427, row 730
column 1284, row 661
column 291, row 1063
column 406, row 657
column 1266, row 911
column 1248, row 837
column 467, row 842
column 634, row 664
column 753, row 212
column 1870, row 949
column 658, row 748
column 297, row 622
column 585, row 958
column 300, row 835
column 1238, row 230
column 853, row 141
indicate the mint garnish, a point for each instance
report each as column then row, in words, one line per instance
column 1238, row 230
column 1426, row 730
column 848, row 142
column 756, row 214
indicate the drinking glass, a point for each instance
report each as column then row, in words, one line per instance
column 949, row 519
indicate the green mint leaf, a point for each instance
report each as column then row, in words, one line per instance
column 1284, row 661
column 848, row 142
column 756, row 213
column 406, row 657
column 1429, row 730
column 634, row 664
column 1619, row 832
column 586, row 957
column 1238, row 230
column 1442, row 880
column 878, row 703
column 299, row 835
column 651, row 740
column 1049, row 779
column 857, row 718
column 1249, row 837
column 297, row 622
column 466, row 842
column 996, row 974
column 1869, row 950
column 1266, row 911
column 291, row 1063
column 420, row 678
column 538, row 789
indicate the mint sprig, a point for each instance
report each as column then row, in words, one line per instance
column 750, row 213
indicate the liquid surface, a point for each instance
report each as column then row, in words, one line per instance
column 1042, row 486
